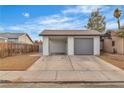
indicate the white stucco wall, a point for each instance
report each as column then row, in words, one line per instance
column 45, row 45
column 70, row 45
column 96, row 45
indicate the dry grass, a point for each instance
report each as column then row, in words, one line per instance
column 114, row 59
column 17, row 63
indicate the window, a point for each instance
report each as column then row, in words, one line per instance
column 113, row 43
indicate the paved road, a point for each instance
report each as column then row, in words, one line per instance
column 61, row 85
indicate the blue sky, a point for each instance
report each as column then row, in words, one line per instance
column 34, row 19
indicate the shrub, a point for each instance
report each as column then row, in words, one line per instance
column 120, row 33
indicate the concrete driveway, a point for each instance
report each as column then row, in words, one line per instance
column 63, row 68
column 71, row 63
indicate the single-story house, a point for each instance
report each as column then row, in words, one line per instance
column 2, row 39
column 71, row 42
column 16, row 37
column 113, row 43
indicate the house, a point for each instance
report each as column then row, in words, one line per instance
column 16, row 37
column 2, row 39
column 71, row 42
column 39, row 43
column 113, row 43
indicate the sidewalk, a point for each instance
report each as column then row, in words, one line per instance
column 62, row 76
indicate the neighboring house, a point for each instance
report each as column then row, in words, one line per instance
column 113, row 43
column 71, row 42
column 2, row 39
column 16, row 37
column 40, row 44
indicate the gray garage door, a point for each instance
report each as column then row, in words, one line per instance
column 57, row 46
column 83, row 46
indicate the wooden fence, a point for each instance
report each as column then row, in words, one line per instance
column 10, row 49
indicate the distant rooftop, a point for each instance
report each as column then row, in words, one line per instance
column 11, row 35
column 69, row 33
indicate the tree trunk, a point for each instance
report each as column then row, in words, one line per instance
column 118, row 23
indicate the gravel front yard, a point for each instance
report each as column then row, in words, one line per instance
column 114, row 59
column 18, row 63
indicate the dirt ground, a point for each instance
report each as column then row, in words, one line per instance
column 18, row 63
column 114, row 59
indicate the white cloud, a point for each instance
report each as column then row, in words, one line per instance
column 15, row 27
column 80, row 9
column 58, row 21
column 61, row 22
column 113, row 24
column 27, row 15
column 55, row 19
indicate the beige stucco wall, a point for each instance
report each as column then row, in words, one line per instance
column 107, row 45
column 119, row 45
column 24, row 39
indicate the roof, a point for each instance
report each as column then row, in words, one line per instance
column 38, row 42
column 11, row 35
column 70, row 33
column 2, row 38
column 112, row 32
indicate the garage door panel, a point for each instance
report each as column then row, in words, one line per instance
column 83, row 46
column 57, row 46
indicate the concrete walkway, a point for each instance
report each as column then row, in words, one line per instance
column 66, row 69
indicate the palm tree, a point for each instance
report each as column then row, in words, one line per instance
column 117, row 14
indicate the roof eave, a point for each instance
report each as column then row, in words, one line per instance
column 71, row 35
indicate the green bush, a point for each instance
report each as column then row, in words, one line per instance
column 120, row 33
